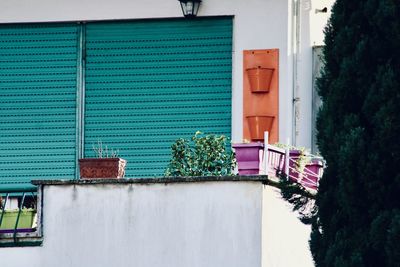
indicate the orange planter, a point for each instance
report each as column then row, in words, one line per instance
column 260, row 79
column 257, row 66
column 258, row 125
column 95, row 168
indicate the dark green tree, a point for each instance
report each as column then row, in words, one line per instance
column 358, row 218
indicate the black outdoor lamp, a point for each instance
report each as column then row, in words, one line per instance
column 190, row 7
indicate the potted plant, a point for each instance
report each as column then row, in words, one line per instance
column 106, row 165
column 304, row 168
column 203, row 155
column 312, row 172
column 248, row 157
column 297, row 162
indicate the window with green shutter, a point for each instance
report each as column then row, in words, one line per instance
column 146, row 83
column 38, row 72
column 151, row 82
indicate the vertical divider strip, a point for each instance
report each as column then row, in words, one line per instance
column 80, row 97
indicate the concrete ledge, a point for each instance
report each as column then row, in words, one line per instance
column 21, row 242
column 157, row 180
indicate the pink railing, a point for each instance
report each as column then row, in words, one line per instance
column 285, row 161
column 276, row 160
column 253, row 160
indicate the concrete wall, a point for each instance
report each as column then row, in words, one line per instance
column 285, row 238
column 200, row 224
column 311, row 25
column 258, row 24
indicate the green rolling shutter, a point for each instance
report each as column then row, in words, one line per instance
column 38, row 77
column 151, row 82
column 147, row 83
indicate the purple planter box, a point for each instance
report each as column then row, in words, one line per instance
column 312, row 172
column 293, row 157
column 247, row 157
column 19, row 230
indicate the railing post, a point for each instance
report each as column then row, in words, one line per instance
column 19, row 214
column 287, row 155
column 266, row 165
column 3, row 208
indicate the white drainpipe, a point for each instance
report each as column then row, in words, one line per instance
column 295, row 36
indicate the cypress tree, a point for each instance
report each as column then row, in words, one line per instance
column 358, row 218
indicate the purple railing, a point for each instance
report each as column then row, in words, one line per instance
column 252, row 160
column 287, row 162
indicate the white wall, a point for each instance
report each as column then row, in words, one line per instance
column 194, row 224
column 283, row 234
column 156, row 225
column 200, row 224
column 312, row 25
column 258, row 24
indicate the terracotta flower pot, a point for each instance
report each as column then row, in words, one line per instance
column 258, row 125
column 92, row 168
column 260, row 79
column 248, row 157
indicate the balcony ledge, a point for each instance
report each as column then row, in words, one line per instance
column 158, row 180
column 21, row 240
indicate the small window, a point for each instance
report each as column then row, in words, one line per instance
column 19, row 217
column 316, row 100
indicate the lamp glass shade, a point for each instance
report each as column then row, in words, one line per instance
column 190, row 7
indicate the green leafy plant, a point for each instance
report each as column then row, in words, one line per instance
column 104, row 152
column 203, row 155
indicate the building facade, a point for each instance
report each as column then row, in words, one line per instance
column 137, row 76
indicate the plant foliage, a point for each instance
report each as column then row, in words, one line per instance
column 303, row 158
column 302, row 200
column 358, row 217
column 203, row 155
column 104, row 152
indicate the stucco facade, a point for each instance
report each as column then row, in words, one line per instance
column 226, row 221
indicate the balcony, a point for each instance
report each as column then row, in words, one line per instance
column 18, row 217
column 298, row 166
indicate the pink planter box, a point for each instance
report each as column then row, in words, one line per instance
column 248, row 157
column 293, row 157
column 312, row 173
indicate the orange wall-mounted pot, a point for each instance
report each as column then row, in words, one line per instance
column 258, row 125
column 260, row 79
column 258, row 64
